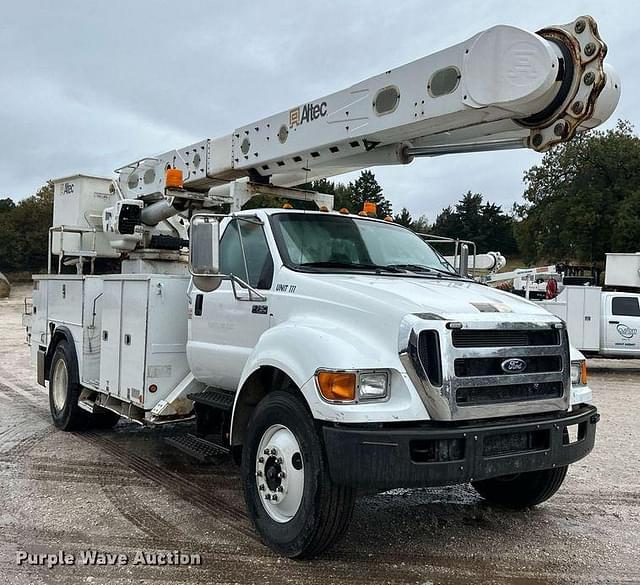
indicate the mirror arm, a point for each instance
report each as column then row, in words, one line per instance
column 252, row 291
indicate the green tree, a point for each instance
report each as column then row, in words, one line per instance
column 367, row 188
column 577, row 200
column 626, row 231
column 6, row 204
column 486, row 224
column 24, row 232
column 403, row 218
column 420, row 225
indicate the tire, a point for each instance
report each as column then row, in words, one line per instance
column 522, row 490
column 64, row 390
column 311, row 513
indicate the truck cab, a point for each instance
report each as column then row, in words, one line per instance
column 353, row 334
column 620, row 324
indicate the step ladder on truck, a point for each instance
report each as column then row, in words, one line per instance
column 326, row 352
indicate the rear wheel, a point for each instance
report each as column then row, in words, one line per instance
column 64, row 390
column 522, row 490
column 294, row 505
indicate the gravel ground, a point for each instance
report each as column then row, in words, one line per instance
column 125, row 490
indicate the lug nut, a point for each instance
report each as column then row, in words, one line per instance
column 267, row 496
column 279, row 460
column 590, row 49
column 282, row 475
column 536, row 140
column 577, row 107
column 589, row 78
column 259, row 473
column 274, row 498
column 279, row 489
column 580, row 26
column 266, row 451
column 260, row 459
column 261, row 487
column 273, row 452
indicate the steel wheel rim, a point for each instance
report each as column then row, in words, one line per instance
column 279, row 473
column 59, row 383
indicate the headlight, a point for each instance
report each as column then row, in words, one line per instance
column 350, row 387
column 579, row 372
column 373, row 385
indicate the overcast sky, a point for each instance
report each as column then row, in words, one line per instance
column 87, row 86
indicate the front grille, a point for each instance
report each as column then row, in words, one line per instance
column 465, row 367
column 504, row 337
column 459, row 372
column 481, row 395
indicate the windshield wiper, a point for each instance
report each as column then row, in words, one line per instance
column 422, row 268
column 353, row 266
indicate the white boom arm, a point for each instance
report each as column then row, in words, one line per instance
column 502, row 88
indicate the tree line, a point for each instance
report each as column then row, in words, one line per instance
column 581, row 201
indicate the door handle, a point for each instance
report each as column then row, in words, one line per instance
column 198, row 307
column 614, row 322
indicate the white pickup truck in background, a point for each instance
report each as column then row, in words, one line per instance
column 604, row 321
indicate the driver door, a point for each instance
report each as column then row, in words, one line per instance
column 226, row 325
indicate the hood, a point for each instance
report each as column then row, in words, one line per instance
column 446, row 298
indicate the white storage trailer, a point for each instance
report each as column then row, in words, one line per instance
column 327, row 351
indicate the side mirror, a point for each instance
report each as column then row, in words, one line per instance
column 204, row 252
column 463, row 260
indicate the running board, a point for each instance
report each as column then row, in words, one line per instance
column 215, row 398
column 200, row 449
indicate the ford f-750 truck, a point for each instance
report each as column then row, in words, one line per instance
column 326, row 351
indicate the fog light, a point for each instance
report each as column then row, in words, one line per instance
column 373, row 385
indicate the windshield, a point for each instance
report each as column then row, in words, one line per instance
column 336, row 242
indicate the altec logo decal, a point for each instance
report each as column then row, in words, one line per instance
column 626, row 331
column 307, row 113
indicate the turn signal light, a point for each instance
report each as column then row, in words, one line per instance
column 337, row 385
column 173, row 179
column 583, row 373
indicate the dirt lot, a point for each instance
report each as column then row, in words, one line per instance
column 125, row 490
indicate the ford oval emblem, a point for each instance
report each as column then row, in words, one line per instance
column 513, row 366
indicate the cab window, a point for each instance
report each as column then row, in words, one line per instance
column 258, row 270
column 625, row 306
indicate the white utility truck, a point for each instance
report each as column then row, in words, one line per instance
column 604, row 321
column 327, row 352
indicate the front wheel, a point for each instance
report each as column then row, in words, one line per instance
column 522, row 490
column 296, row 508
